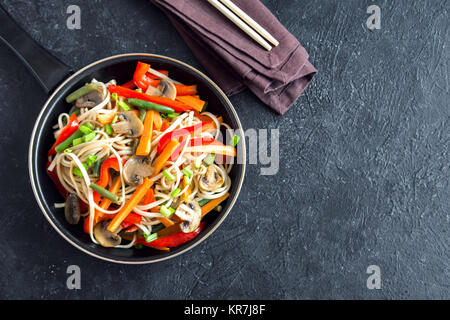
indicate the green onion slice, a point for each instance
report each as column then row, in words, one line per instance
column 175, row 193
column 89, row 137
column 168, row 175
column 165, row 211
column 209, row 159
column 235, row 140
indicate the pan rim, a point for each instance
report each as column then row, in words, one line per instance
column 31, row 159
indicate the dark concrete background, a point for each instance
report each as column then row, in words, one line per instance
column 364, row 175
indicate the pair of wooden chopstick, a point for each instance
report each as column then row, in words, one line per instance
column 245, row 23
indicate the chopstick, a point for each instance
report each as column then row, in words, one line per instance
column 237, row 21
column 252, row 23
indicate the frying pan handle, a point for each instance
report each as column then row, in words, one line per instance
column 47, row 69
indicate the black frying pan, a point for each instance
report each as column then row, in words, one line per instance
column 56, row 80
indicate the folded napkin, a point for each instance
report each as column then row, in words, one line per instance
column 234, row 60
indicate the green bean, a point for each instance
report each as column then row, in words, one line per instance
column 157, row 227
column 105, row 193
column 79, row 93
column 142, row 114
column 149, row 105
column 96, row 168
column 203, row 202
column 66, row 143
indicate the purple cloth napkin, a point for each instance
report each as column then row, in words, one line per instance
column 234, row 60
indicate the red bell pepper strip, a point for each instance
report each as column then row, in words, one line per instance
column 54, row 176
column 128, row 93
column 129, row 85
column 165, row 125
column 173, row 240
column 192, row 130
column 66, row 132
column 141, row 78
column 139, row 74
column 110, row 163
column 133, row 228
column 177, row 151
column 131, row 219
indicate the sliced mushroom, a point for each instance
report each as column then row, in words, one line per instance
column 105, row 237
column 166, row 88
column 191, row 214
column 89, row 100
column 211, row 180
column 136, row 169
column 129, row 125
column 72, row 209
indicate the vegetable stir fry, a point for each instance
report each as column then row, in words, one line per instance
column 140, row 164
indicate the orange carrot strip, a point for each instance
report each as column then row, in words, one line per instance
column 165, row 155
column 213, row 203
column 105, row 203
column 187, row 193
column 145, row 143
column 149, row 197
column 195, row 103
column 165, row 221
column 155, row 209
column 169, row 230
column 183, row 90
column 129, row 206
column 160, row 248
column 157, row 120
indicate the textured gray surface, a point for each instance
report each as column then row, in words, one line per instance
column 364, row 162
